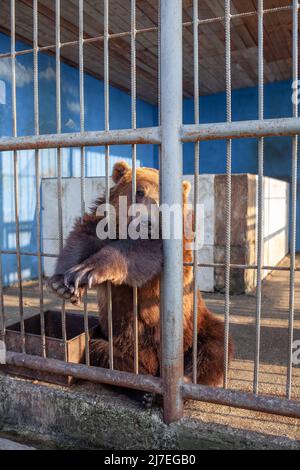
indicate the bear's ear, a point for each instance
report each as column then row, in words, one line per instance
column 186, row 190
column 119, row 170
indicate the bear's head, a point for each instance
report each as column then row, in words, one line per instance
column 146, row 196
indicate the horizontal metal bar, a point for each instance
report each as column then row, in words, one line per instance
column 242, row 266
column 85, row 41
column 145, row 383
column 149, row 135
column 241, row 129
column 151, row 29
column 200, row 265
column 236, row 16
column 28, row 253
column 219, row 396
column 152, row 135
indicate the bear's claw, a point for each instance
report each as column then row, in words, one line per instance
column 57, row 285
column 148, row 400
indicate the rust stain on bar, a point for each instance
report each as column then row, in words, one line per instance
column 266, row 404
column 241, row 129
column 145, row 383
column 149, row 135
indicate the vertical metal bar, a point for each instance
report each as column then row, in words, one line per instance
column 107, row 170
column 82, row 169
column 260, row 217
column 37, row 172
column 196, row 184
column 16, row 168
column 133, row 124
column 294, row 205
column 59, row 169
column 228, row 189
column 2, row 311
column 161, row 290
column 171, row 122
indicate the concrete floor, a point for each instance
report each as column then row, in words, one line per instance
column 274, row 341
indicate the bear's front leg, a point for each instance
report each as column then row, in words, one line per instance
column 96, row 270
column 122, row 262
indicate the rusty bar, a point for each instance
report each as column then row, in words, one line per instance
column 28, row 253
column 240, row 129
column 37, row 173
column 228, row 190
column 196, row 187
column 260, row 195
column 242, row 266
column 171, row 121
column 107, row 171
column 294, row 191
column 146, row 383
column 133, row 125
column 82, row 168
column 200, row 265
column 2, row 311
column 243, row 400
column 161, row 289
column 149, row 135
column 59, row 163
column 16, row 169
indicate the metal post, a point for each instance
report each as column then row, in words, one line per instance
column 196, row 185
column 16, row 170
column 107, row 170
column 228, row 189
column 260, row 216
column 171, row 121
column 133, row 125
column 59, row 163
column 38, row 171
column 82, row 172
column 294, row 206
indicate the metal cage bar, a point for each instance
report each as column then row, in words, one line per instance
column 134, row 148
column 228, row 189
column 37, row 174
column 196, row 187
column 149, row 135
column 260, row 218
column 82, row 167
column 2, row 312
column 152, row 135
column 59, row 161
column 107, row 169
column 171, row 120
column 294, row 204
column 16, row 170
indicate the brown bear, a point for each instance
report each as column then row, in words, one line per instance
column 88, row 261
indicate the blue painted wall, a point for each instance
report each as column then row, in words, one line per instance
column 120, row 117
column 278, row 103
column 278, row 150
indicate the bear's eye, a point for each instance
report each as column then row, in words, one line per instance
column 140, row 193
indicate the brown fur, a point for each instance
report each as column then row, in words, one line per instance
column 127, row 263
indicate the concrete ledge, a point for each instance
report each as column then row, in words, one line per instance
column 6, row 444
column 89, row 416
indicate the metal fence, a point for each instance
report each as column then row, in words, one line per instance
column 170, row 135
